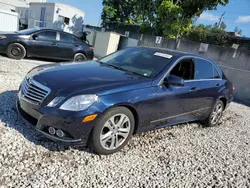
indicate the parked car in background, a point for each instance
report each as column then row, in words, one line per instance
column 45, row 43
column 102, row 103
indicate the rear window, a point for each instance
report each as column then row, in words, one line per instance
column 205, row 70
column 142, row 61
column 66, row 37
column 47, row 35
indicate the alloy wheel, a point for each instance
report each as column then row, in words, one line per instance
column 217, row 113
column 115, row 131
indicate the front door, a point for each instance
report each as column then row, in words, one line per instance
column 177, row 103
column 44, row 44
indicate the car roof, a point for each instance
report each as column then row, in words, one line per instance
column 175, row 53
column 179, row 54
column 52, row 29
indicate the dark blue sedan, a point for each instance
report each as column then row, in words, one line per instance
column 45, row 43
column 103, row 103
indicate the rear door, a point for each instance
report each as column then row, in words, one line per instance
column 208, row 82
column 67, row 45
column 44, row 44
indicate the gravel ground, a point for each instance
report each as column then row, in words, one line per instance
column 187, row 155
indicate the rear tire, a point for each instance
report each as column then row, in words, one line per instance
column 80, row 57
column 16, row 51
column 215, row 115
column 113, row 131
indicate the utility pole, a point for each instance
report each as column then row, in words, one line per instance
column 221, row 19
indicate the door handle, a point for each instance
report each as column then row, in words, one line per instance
column 193, row 89
column 217, row 85
column 54, row 44
column 76, row 45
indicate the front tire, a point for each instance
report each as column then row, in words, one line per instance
column 113, row 131
column 80, row 57
column 215, row 115
column 16, row 51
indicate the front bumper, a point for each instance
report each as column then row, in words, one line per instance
column 75, row 131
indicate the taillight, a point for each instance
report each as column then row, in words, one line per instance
column 233, row 88
column 91, row 48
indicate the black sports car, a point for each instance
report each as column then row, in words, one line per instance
column 45, row 43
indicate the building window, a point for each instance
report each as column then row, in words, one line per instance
column 12, row 10
column 66, row 20
column 31, row 14
column 63, row 19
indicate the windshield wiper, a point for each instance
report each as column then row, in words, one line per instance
column 110, row 65
column 120, row 68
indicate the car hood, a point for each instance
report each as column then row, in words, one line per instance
column 86, row 77
column 8, row 34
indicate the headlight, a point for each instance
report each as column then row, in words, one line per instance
column 79, row 103
column 55, row 101
column 3, row 37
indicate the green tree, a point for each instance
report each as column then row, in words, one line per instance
column 205, row 34
column 171, row 20
column 223, row 26
column 196, row 7
column 237, row 30
column 165, row 17
column 118, row 11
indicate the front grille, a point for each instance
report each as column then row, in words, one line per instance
column 33, row 91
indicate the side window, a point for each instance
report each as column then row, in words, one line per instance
column 66, row 38
column 216, row 74
column 47, row 35
column 205, row 70
column 184, row 69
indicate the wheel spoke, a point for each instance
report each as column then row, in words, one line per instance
column 108, row 125
column 213, row 118
column 124, row 135
column 112, row 145
column 219, row 110
column 116, row 141
column 122, row 120
column 112, row 121
column 124, row 130
column 106, row 137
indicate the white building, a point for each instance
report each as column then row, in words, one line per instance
column 56, row 15
column 19, row 6
column 10, row 5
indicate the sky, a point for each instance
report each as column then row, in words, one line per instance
column 92, row 9
column 237, row 13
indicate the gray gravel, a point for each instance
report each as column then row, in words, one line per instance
column 187, row 155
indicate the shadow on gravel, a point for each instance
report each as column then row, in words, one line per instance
column 9, row 117
column 246, row 103
column 46, row 60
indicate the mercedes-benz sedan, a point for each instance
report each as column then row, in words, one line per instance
column 103, row 103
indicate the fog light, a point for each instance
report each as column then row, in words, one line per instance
column 52, row 130
column 60, row 133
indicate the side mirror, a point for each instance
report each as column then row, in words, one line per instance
column 174, row 80
column 35, row 37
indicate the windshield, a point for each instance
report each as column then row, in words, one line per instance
column 27, row 31
column 145, row 62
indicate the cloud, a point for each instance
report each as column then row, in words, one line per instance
column 243, row 19
column 205, row 16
